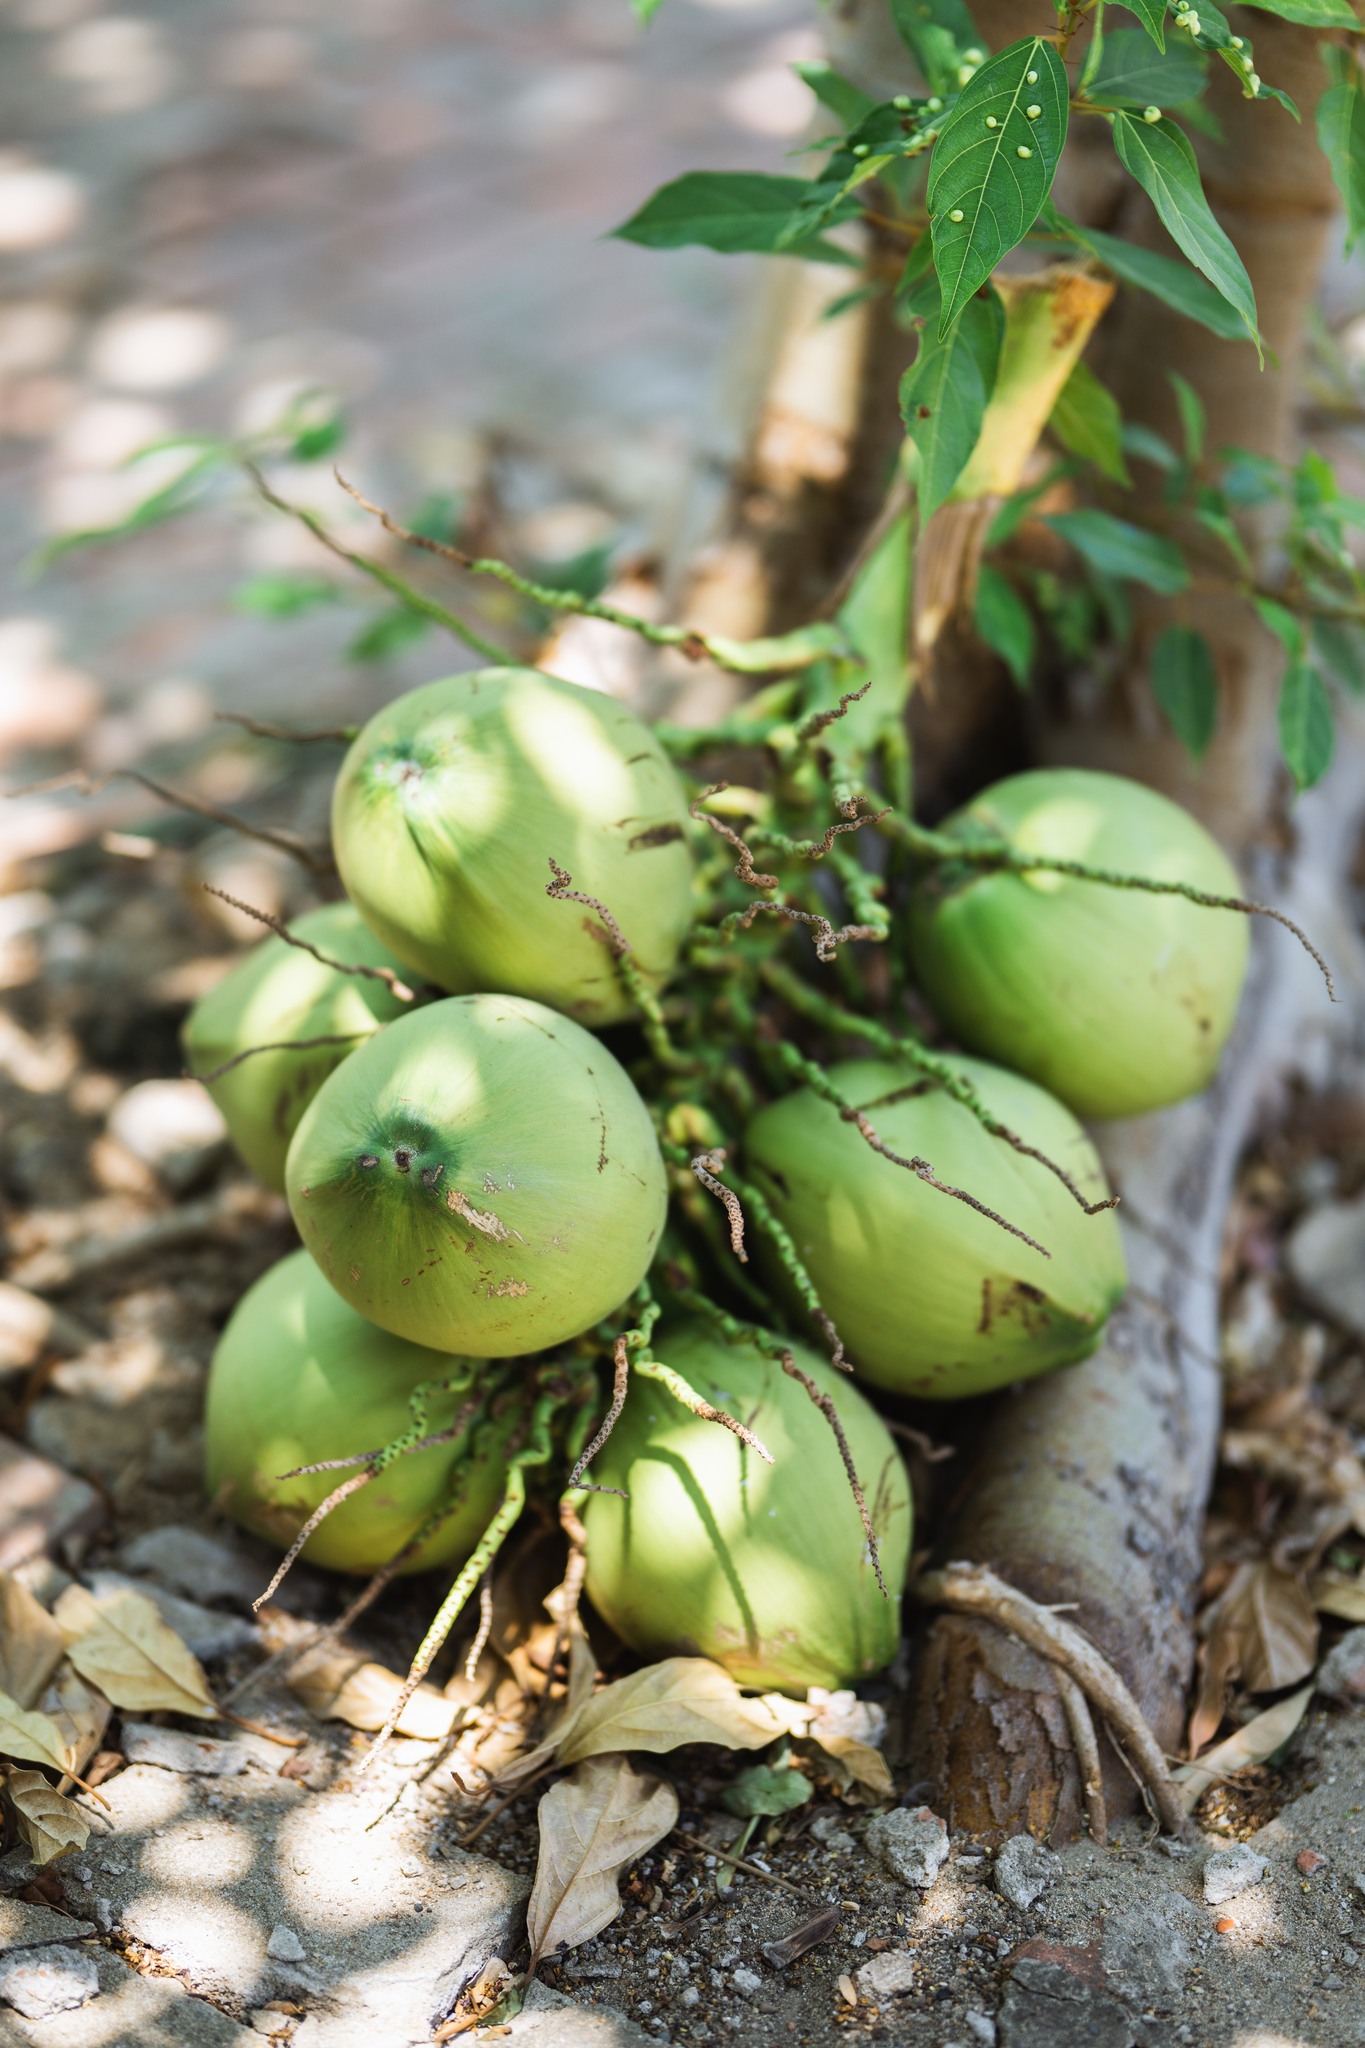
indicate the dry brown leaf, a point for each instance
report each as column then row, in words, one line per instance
column 80, row 1712
column 49, row 1824
column 31, row 1645
column 1259, row 1739
column 683, row 1699
column 1264, row 1627
column 31, row 1737
column 1342, row 1597
column 591, row 1826
column 342, row 1687
column 121, row 1644
column 855, row 1762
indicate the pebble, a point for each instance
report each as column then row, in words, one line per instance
column 1024, row 1869
column 885, row 1976
column 1342, row 1675
column 1224, row 1926
column 747, row 1982
column 39, row 1983
column 284, row 1945
column 1308, row 1860
column 195, row 1756
column 981, row 2026
column 830, row 1835
column 174, row 1127
column 189, row 1561
column 1229, row 1872
column 910, row 1843
column 1325, row 1257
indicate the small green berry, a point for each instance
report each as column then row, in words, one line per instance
column 859, row 149
column 902, row 103
column 1151, row 113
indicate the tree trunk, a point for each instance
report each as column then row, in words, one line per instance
column 1091, row 1486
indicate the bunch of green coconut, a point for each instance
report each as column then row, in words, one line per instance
column 575, row 1151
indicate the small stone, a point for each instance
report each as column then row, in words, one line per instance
column 284, row 1945
column 831, row 1835
column 981, row 2026
column 1331, row 1983
column 747, row 1982
column 1342, row 1676
column 1308, row 1860
column 39, row 1505
column 885, row 1976
column 43, row 1982
column 1224, row 1926
column 691, row 1996
column 910, row 1843
column 191, row 1562
column 1350, row 1958
column 31, row 1926
column 174, row 1127
column 1024, row 1869
column 1326, row 1255
column 1230, row 1872
column 1148, row 1949
column 195, row 1756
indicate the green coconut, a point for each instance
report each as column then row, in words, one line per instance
column 764, row 1568
column 931, row 1297
column 454, row 800
column 299, row 1377
column 1117, row 1000
column 482, row 1176
column 275, row 994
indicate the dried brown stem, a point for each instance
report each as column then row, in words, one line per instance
column 827, row 1408
column 620, row 1383
column 922, row 1169
column 932, row 1453
column 701, row 1166
column 561, row 891
column 975, row 1590
column 811, row 727
column 283, row 842
column 399, row 989
column 485, row 1628
column 744, row 869
column 276, row 1045
column 827, row 939
column 318, row 1516
column 262, row 731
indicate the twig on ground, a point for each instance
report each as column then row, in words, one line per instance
column 974, row 1589
column 742, row 1863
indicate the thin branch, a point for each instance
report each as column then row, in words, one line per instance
column 318, row 1516
column 825, row 1403
column 1087, row 1748
column 276, row 1045
column 344, row 733
column 283, row 841
column 620, row 1386
column 398, row 989
column 811, row 727
column 975, row 1590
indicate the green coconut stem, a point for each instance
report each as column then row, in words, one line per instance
column 740, row 1332
column 654, row 1369
column 862, row 889
column 412, row 600
column 398, row 989
column 942, row 848
column 833, row 1016
column 745, row 657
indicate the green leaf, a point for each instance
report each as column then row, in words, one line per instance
column 993, row 166
column 1341, row 134
column 1152, row 15
column 283, row 597
column 1306, row 732
column 1310, row 13
column 1159, row 156
column 645, row 10
column 1005, row 623
column 1191, row 408
column 387, row 634
column 1341, row 649
column 1175, row 284
column 730, row 211
column 1130, row 70
column 1284, row 624
column 937, row 33
column 944, row 394
column 1185, row 685
column 843, row 98
column 761, row 1789
column 320, row 440
column 1149, row 446
column 1116, row 548
column 1087, row 421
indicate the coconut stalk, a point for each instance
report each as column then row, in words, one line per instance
column 1091, row 1488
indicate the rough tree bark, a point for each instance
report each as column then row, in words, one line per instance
column 1091, row 1487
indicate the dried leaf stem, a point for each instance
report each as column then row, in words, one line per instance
column 398, row 989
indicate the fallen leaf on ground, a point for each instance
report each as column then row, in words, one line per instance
column 121, row 1644
column 30, row 1736
column 31, row 1645
column 337, row 1687
column 49, row 1824
column 1259, row 1739
column 591, row 1826
column 1263, row 1626
column 848, row 1761
column 683, row 1699
column 1342, row 1597
column 81, row 1713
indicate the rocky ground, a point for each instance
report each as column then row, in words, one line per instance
column 202, row 209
